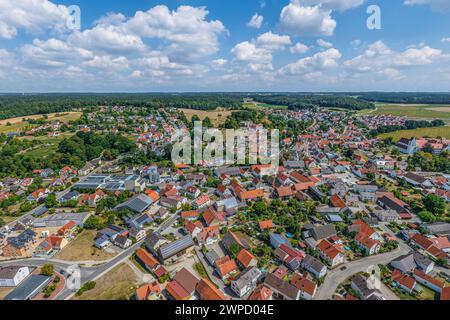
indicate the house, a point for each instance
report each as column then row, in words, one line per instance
column 208, row 235
column 227, row 205
column 12, row 276
column 261, row 293
column 226, row 267
column 289, row 256
column 138, row 233
column 246, row 281
column 207, row 291
column 423, row 262
column 404, row 263
column 193, row 228
column 416, row 180
column 202, row 202
column 364, row 290
column 314, row 266
column 330, row 253
column 122, row 242
column 146, row 259
column 68, row 230
column 191, row 215
column 72, row 195
column 211, row 256
column 183, row 285
column 281, row 289
column 38, row 195
column 404, row 281
column 154, row 241
column 306, row 286
column 266, row 225
column 246, row 259
column 368, row 245
column 149, row 291
column 212, row 218
column 428, row 281
column 323, row 232
column 277, row 239
column 50, row 246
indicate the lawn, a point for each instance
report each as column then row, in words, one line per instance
column 420, row 132
column 415, row 111
column 82, row 249
column 49, row 146
column 118, row 284
column 17, row 124
column 261, row 106
column 217, row 117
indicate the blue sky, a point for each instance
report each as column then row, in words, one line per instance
column 218, row 45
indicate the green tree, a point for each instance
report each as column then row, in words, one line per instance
column 427, row 216
column 434, row 204
column 47, row 270
column 51, row 201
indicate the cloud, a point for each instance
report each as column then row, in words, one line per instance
column 258, row 53
column 445, row 40
column 324, row 44
column 32, row 16
column 256, row 21
column 218, row 64
column 272, row 41
column 315, row 63
column 379, row 57
column 438, row 5
column 299, row 48
column 340, row 5
column 299, row 20
column 189, row 33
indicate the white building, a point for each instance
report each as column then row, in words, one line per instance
column 13, row 276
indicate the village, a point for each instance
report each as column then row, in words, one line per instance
column 347, row 216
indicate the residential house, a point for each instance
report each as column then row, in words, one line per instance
column 246, row 260
column 12, row 276
column 330, row 253
column 207, row 291
column 246, row 281
column 281, row 289
column 226, row 267
column 314, row 266
column 307, row 287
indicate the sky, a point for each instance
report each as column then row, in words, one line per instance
column 224, row 45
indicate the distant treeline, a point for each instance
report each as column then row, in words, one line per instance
column 301, row 101
column 409, row 124
column 24, row 105
column 406, row 97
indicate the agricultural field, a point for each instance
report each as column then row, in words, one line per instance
column 18, row 124
column 417, row 133
column 262, row 106
column 415, row 111
column 217, row 116
column 118, row 284
column 82, row 249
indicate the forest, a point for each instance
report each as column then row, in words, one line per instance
column 406, row 97
column 409, row 124
column 305, row 101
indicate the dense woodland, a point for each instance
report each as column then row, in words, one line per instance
column 406, row 97
column 297, row 102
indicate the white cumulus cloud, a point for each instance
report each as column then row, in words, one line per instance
column 256, row 21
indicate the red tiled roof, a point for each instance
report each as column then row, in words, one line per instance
column 303, row 284
column 261, row 293
column 146, row 258
column 177, row 291
column 245, row 257
column 208, row 291
column 266, row 224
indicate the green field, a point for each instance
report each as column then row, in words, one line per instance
column 415, row 111
column 259, row 106
column 418, row 133
column 49, row 146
